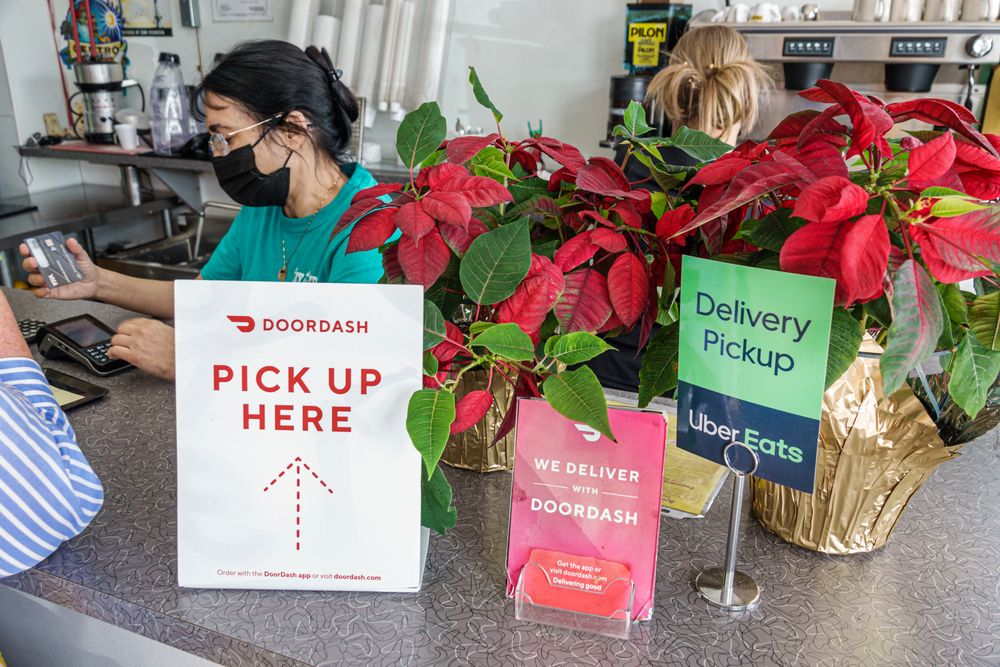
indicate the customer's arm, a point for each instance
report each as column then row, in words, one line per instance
column 153, row 297
column 48, row 492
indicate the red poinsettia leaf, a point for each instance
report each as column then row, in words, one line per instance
column 372, row 230
column 596, row 217
column 933, row 158
column 448, row 207
column 566, row 155
column 470, row 409
column 611, row 168
column 648, row 320
column 822, row 159
column 793, row 124
column 450, row 347
column 981, row 184
column 462, row 149
column 459, row 239
column 357, row 209
column 815, row 250
column 390, row 265
column 609, row 239
column 528, row 306
column 672, row 221
column 867, row 119
column 479, row 191
column 575, row 251
column 952, row 247
column 592, row 178
column 721, row 171
column 612, row 324
column 822, row 125
column 629, row 214
column 584, row 304
column 628, row 287
column 377, row 191
column 413, row 221
column 437, row 176
column 830, row 198
column 864, row 259
column 970, row 156
column 752, row 182
column 908, row 143
column 425, row 260
column 934, row 112
column 546, row 268
column 917, row 322
column 521, row 390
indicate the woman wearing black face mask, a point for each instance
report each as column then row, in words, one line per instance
column 280, row 119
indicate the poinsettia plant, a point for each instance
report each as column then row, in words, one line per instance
column 529, row 253
column 897, row 222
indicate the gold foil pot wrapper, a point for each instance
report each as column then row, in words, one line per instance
column 874, row 453
column 474, row 449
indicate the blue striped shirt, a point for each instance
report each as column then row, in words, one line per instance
column 48, row 492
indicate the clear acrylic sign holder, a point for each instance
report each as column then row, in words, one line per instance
column 727, row 587
column 618, row 624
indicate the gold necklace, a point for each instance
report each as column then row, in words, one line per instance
column 283, row 271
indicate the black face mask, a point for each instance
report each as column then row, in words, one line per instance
column 238, row 176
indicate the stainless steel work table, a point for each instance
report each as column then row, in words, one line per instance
column 930, row 597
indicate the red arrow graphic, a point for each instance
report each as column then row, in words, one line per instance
column 298, row 464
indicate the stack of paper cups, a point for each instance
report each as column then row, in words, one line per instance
column 401, row 61
column 299, row 20
column 370, row 50
column 393, row 12
column 352, row 26
column 326, row 31
column 427, row 82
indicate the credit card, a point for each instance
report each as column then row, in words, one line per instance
column 55, row 261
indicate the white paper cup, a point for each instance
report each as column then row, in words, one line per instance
column 128, row 136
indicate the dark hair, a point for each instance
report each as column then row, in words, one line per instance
column 270, row 77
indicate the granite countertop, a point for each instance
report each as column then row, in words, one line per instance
column 931, row 596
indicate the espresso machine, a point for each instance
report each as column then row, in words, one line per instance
column 101, row 83
column 892, row 60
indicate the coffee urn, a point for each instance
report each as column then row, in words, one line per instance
column 101, row 84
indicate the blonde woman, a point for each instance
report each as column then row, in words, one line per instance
column 711, row 84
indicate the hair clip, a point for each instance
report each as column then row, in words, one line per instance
column 335, row 75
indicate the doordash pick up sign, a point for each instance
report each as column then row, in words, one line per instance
column 294, row 468
column 752, row 365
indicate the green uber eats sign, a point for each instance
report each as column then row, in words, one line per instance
column 751, row 366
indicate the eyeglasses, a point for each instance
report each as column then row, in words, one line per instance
column 219, row 143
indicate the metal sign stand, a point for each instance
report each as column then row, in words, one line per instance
column 728, row 587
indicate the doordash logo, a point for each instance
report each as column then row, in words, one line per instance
column 243, row 323
column 589, row 434
column 246, row 324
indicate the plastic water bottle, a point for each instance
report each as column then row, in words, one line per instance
column 171, row 123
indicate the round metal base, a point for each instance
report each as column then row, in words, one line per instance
column 746, row 592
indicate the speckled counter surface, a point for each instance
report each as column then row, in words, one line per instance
column 930, row 597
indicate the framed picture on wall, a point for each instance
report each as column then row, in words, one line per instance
column 147, row 18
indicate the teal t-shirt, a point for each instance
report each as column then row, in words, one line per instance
column 251, row 249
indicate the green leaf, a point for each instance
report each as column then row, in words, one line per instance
column 436, row 509
column 576, row 348
column 878, row 310
column 481, row 96
column 477, row 328
column 699, row 145
column 973, row 372
column 635, row 120
column 984, row 320
column 490, row 162
column 420, row 134
column 774, row 229
column 658, row 202
column 435, row 158
column 845, row 341
column 507, row 340
column 431, row 364
column 954, row 206
column 528, row 188
column 917, row 321
column 434, row 329
column 658, row 370
column 578, row 395
column 446, row 293
column 937, row 191
column 428, row 421
column 954, row 303
column 547, row 249
column 496, row 263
